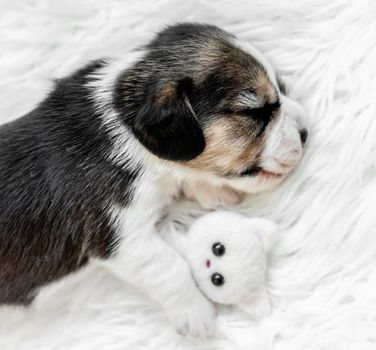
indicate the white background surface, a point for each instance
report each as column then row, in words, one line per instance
column 322, row 276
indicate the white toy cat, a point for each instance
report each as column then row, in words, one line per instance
column 227, row 255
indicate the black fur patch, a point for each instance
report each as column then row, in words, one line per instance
column 170, row 130
column 56, row 187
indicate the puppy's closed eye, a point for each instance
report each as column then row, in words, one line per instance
column 264, row 113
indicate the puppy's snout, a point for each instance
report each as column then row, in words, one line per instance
column 303, row 135
column 283, row 155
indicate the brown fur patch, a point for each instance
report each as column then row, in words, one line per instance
column 166, row 93
column 265, row 88
column 239, row 69
column 231, row 146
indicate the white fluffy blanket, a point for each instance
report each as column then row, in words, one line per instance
column 322, row 276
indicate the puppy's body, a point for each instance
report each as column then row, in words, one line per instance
column 86, row 175
column 56, row 190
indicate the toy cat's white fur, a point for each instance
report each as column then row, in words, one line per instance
column 243, row 264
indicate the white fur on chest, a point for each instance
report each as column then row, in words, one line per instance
column 152, row 194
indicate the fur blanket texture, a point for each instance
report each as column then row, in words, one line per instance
column 322, row 274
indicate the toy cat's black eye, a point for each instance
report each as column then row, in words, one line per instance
column 218, row 249
column 217, row 279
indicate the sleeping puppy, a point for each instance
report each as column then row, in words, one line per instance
column 86, row 175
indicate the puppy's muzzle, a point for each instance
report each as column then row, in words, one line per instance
column 284, row 150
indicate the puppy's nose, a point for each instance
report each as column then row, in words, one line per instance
column 303, row 135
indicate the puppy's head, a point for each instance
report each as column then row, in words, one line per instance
column 201, row 99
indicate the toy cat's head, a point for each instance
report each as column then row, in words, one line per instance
column 228, row 257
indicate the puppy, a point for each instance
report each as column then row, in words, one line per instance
column 86, row 175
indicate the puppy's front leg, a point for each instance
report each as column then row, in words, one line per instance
column 150, row 264
column 210, row 196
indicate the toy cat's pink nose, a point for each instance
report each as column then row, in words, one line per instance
column 208, row 263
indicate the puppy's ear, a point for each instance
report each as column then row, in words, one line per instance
column 167, row 125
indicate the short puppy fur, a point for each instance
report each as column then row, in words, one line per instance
column 85, row 176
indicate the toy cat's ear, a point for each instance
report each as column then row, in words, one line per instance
column 258, row 304
column 266, row 230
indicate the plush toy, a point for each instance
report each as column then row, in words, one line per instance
column 227, row 255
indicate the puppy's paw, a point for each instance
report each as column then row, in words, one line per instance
column 212, row 197
column 228, row 196
column 196, row 319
